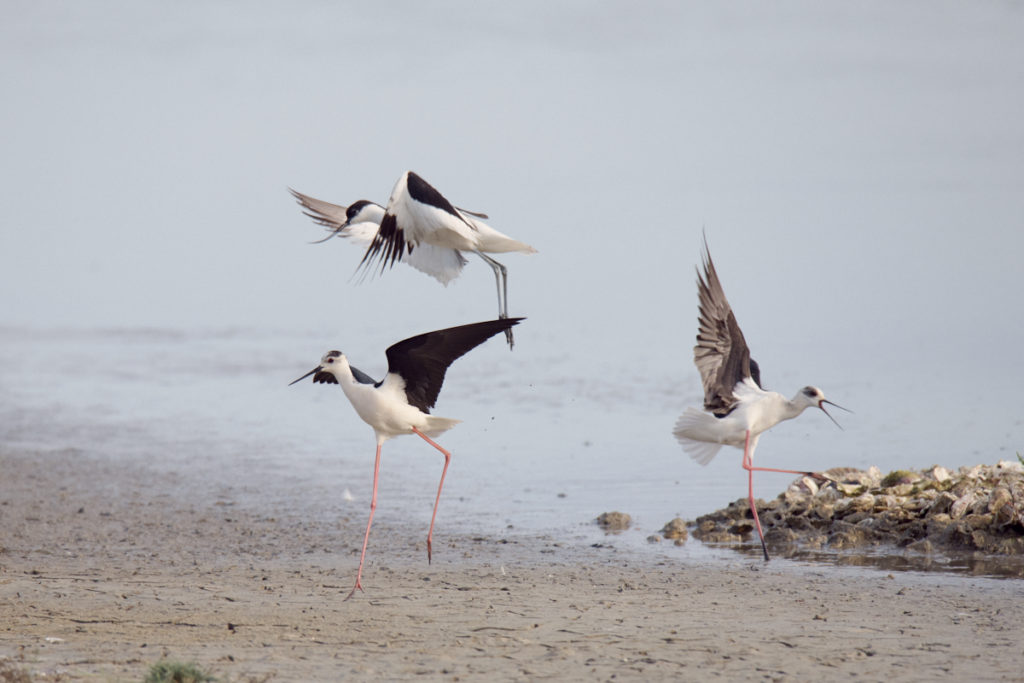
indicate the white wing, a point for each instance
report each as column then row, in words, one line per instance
column 422, row 214
column 440, row 263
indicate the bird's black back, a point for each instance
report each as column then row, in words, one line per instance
column 423, row 360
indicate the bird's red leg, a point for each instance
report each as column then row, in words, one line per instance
column 366, row 538
column 447, row 459
column 813, row 475
column 750, row 489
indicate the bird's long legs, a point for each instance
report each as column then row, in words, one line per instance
column 447, row 459
column 748, row 465
column 750, row 488
column 501, row 280
column 366, row 538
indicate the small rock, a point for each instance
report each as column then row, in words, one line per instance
column 864, row 501
column 959, row 508
column 614, row 521
column 901, row 489
column 828, row 494
column 886, row 501
column 676, row 529
column 741, row 529
column 897, row 477
column 849, row 489
column 805, row 484
column 975, row 521
column 942, row 503
column 924, row 546
column 794, row 494
column 939, row 473
column 976, row 472
column 1000, row 496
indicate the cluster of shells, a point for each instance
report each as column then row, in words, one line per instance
column 978, row 509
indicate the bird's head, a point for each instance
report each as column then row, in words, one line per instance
column 325, row 372
column 364, row 211
column 813, row 397
column 361, row 211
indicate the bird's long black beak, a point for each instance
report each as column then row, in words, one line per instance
column 823, row 401
column 334, row 233
column 314, row 370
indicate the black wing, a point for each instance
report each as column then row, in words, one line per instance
column 403, row 214
column 721, row 354
column 388, row 244
column 422, row 360
column 425, row 193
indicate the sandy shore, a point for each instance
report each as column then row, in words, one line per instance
column 106, row 569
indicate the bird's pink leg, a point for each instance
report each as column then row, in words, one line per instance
column 772, row 469
column 813, row 475
column 747, row 465
column 366, row 538
column 447, row 459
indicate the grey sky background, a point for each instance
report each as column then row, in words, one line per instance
column 858, row 169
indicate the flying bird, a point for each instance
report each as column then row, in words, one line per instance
column 401, row 402
column 736, row 407
column 418, row 218
column 359, row 222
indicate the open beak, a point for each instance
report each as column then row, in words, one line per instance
column 822, row 406
column 314, row 370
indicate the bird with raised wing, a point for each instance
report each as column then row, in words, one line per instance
column 737, row 410
column 359, row 222
column 401, row 402
column 418, row 218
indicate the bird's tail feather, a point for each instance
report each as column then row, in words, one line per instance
column 691, row 430
column 438, row 425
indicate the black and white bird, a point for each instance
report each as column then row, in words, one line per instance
column 359, row 222
column 736, row 407
column 421, row 227
column 401, row 402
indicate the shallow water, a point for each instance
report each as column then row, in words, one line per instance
column 539, row 457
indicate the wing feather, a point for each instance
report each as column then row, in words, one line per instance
column 721, row 354
column 416, row 214
column 326, row 214
column 423, row 360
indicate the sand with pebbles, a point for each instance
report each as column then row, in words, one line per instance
column 106, row 569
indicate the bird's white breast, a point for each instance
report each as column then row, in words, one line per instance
column 385, row 408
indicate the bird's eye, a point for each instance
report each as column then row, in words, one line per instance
column 330, row 360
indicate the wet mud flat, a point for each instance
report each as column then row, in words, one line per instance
column 107, row 567
column 973, row 514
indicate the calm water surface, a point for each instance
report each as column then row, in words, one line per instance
column 541, row 452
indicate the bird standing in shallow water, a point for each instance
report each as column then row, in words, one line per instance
column 736, row 409
column 421, row 227
column 401, row 402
